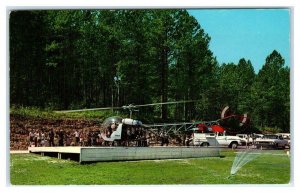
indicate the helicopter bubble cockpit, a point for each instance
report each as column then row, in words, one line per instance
column 113, row 127
column 111, row 120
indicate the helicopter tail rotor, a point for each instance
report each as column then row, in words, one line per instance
column 225, row 112
column 244, row 119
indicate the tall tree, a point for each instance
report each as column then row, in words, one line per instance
column 163, row 41
column 192, row 66
column 27, row 57
column 270, row 94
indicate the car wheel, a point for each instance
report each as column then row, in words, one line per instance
column 205, row 144
column 233, row 145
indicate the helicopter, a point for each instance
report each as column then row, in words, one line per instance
column 117, row 129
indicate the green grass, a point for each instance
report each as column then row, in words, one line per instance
column 29, row 169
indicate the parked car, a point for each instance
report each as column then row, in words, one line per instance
column 286, row 136
column 216, row 139
column 245, row 139
column 271, row 141
column 249, row 139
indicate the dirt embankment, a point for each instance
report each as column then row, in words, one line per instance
column 21, row 126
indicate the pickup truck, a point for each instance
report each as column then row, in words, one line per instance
column 215, row 139
column 271, row 141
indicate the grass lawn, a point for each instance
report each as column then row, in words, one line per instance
column 272, row 167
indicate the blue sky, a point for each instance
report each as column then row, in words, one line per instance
column 246, row 33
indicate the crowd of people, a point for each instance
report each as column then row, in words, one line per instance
column 59, row 137
column 82, row 137
column 24, row 134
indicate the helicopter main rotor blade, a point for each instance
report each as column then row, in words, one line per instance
column 124, row 107
column 92, row 109
column 166, row 103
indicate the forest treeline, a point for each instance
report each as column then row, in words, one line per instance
column 70, row 59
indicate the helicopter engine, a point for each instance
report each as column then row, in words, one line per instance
column 131, row 122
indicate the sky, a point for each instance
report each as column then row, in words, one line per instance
column 246, row 33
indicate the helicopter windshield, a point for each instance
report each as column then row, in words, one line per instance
column 111, row 120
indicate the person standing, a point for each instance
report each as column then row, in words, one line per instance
column 36, row 134
column 42, row 138
column 61, row 138
column 81, row 139
column 31, row 138
column 76, row 134
column 253, row 139
column 51, row 138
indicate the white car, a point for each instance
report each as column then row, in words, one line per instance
column 245, row 139
column 249, row 139
column 216, row 139
column 271, row 140
column 286, row 136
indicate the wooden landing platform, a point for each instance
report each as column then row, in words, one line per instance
column 98, row 154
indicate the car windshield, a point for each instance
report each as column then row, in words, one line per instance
column 271, row 136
